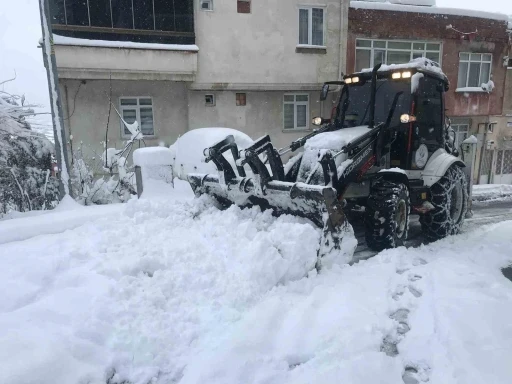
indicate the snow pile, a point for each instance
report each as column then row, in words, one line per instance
column 173, row 292
column 415, row 81
column 421, row 3
column 189, row 149
column 153, row 156
column 64, row 40
column 488, row 87
column 438, row 313
column 492, row 192
column 418, row 63
column 400, row 6
column 66, row 216
column 139, row 293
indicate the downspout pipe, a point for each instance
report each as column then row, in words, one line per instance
column 343, row 38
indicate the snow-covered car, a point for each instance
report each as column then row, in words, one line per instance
column 188, row 150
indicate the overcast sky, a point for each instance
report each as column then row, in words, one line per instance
column 20, row 31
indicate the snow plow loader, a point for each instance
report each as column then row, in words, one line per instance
column 385, row 152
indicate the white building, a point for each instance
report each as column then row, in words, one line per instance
column 256, row 66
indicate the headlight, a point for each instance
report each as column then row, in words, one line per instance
column 406, row 118
column 421, row 156
column 317, row 121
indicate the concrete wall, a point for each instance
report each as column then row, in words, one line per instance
column 262, row 115
column 79, row 62
column 260, row 47
column 507, row 103
column 88, row 111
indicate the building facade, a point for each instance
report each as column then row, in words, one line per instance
column 256, row 66
column 472, row 49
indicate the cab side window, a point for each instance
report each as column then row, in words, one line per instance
column 429, row 113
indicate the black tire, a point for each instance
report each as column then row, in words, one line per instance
column 387, row 215
column 450, row 201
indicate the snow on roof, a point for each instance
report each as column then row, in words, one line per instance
column 419, row 63
column 64, row 40
column 387, row 6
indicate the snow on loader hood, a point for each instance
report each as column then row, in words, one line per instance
column 336, row 140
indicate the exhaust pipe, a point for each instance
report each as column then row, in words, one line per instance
column 371, row 123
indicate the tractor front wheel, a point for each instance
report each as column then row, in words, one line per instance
column 387, row 215
column 450, row 201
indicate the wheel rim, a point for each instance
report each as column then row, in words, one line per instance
column 401, row 218
column 456, row 202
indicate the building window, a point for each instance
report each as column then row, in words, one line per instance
column 241, row 99
column 173, row 21
column 311, row 26
column 243, row 6
column 474, row 69
column 140, row 109
column 207, row 5
column 461, row 133
column 372, row 52
column 296, row 111
column 209, row 100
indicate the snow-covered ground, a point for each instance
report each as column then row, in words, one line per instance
column 172, row 290
column 492, row 192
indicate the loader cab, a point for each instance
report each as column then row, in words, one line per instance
column 416, row 123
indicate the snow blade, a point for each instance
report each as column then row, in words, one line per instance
column 314, row 202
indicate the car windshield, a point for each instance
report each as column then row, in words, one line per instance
column 355, row 100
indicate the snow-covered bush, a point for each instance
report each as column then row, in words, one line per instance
column 26, row 182
column 107, row 178
column 99, row 180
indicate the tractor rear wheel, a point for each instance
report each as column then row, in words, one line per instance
column 450, row 201
column 387, row 215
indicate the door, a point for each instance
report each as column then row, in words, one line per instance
column 486, row 167
column 503, row 173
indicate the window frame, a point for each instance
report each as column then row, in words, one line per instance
column 214, row 101
column 469, row 61
column 296, row 103
column 386, row 49
column 137, row 114
column 458, row 131
column 310, row 8
column 210, row 9
column 238, row 99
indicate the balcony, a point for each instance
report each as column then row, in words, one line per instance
column 142, row 40
column 100, row 59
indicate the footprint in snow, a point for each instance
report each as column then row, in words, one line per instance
column 414, row 277
column 415, row 292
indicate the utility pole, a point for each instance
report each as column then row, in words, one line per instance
column 55, row 100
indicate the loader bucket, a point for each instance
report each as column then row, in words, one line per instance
column 269, row 191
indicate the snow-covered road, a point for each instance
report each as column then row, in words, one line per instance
column 179, row 292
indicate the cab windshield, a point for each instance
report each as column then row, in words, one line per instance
column 354, row 107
